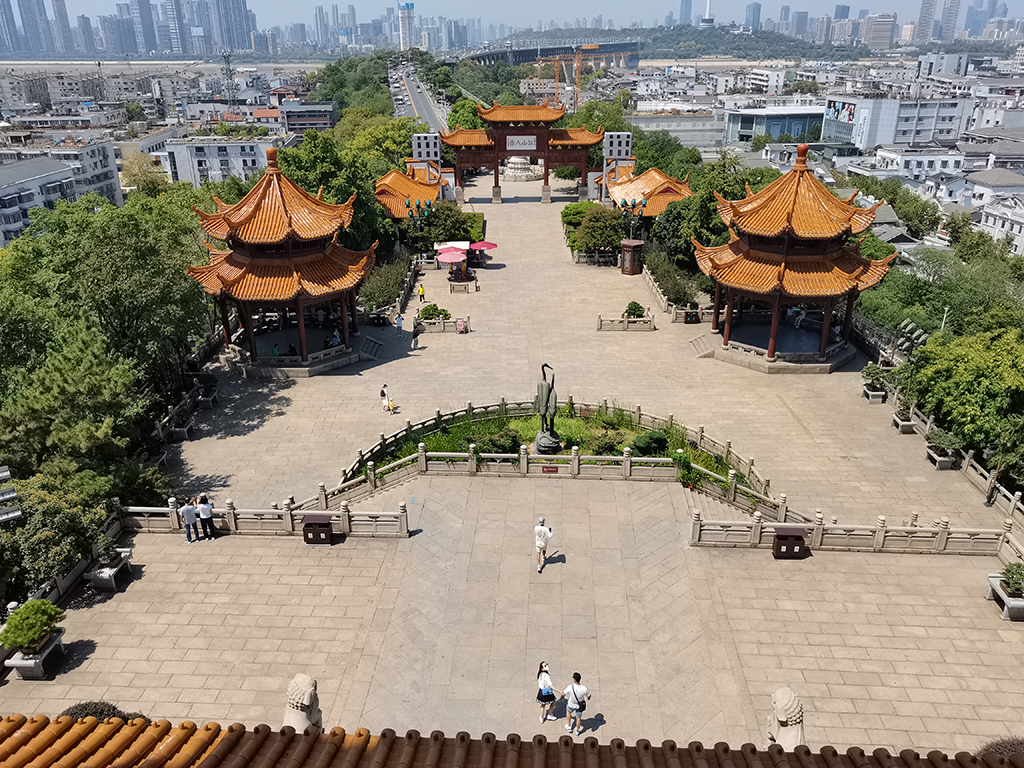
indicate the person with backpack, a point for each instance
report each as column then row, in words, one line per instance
column 576, row 697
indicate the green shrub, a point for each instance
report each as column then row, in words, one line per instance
column 30, row 624
column 676, row 285
column 1013, row 575
column 101, row 710
column 573, row 214
column 384, row 284
column 106, row 549
column 434, row 312
column 507, row 440
column 634, row 309
column 687, row 475
column 1006, row 747
column 605, row 443
column 944, row 443
column 874, row 375
column 650, row 443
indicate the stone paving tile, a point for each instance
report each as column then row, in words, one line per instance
column 814, row 436
column 445, row 629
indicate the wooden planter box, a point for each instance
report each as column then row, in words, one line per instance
column 905, row 427
column 875, row 397
column 1013, row 607
column 940, row 462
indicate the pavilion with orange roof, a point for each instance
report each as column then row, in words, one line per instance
column 395, row 189
column 788, row 248
column 655, row 187
column 282, row 253
column 518, row 131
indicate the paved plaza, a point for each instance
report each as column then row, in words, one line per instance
column 446, row 629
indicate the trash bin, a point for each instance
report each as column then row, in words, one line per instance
column 316, row 531
column 789, row 544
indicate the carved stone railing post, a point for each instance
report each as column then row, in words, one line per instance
column 322, row 496
column 574, row 466
column 627, row 462
column 469, row 408
column 403, row 519
column 502, row 407
column 604, row 405
column 437, row 417
column 1015, row 504
column 472, row 458
column 1007, row 530
column 371, row 474
column 524, row 461
column 755, row 529
column 421, row 458
column 966, row 466
column 636, row 416
column 671, row 421
column 700, row 436
column 231, row 516
column 818, row 533
column 728, row 450
column 695, row 526
column 943, row 537
column 732, row 485
column 879, row 541
column 172, row 512
column 783, row 507
column 289, row 521
column 346, row 518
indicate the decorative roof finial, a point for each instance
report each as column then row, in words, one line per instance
column 271, row 158
column 801, row 156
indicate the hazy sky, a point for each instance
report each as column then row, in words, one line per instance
column 525, row 13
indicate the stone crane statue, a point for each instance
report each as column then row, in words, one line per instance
column 786, row 721
column 303, row 708
column 546, row 404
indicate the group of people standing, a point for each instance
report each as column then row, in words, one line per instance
column 198, row 509
column 575, row 694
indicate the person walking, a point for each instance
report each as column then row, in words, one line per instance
column 576, row 697
column 205, row 510
column 547, row 695
column 188, row 517
column 384, row 399
column 541, row 536
column 398, row 324
column 422, row 292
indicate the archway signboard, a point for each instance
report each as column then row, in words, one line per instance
column 516, row 131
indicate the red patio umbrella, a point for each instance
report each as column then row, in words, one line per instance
column 451, row 258
column 483, row 245
column 452, row 249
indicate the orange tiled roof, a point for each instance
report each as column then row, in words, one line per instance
column 580, row 137
column 275, row 209
column 657, row 187
column 534, row 113
column 799, row 203
column 736, row 265
column 265, row 112
column 467, row 137
column 282, row 279
column 394, row 188
column 65, row 743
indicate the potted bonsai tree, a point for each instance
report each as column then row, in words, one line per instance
column 107, row 554
column 901, row 417
column 1007, row 588
column 873, row 377
column 943, row 448
column 29, row 627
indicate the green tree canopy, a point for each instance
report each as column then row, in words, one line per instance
column 463, row 114
column 600, row 230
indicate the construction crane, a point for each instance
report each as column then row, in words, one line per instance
column 580, row 54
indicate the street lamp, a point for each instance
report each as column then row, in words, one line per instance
column 633, row 213
column 418, row 212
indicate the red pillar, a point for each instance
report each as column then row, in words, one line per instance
column 718, row 307
column 825, row 321
column 547, row 167
column 775, row 327
column 458, row 174
column 352, row 305
column 302, row 331
column 344, row 322
column 497, row 167
column 728, row 319
column 224, row 320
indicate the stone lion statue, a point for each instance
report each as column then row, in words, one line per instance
column 303, row 708
column 786, row 722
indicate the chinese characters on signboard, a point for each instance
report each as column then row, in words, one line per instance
column 843, row 111
column 521, row 142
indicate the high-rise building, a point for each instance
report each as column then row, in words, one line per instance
column 178, row 28
column 145, row 26
column 842, row 12
column 784, row 13
column 9, row 40
column 352, row 17
column 231, row 24
column 878, row 30
column 406, row 25
column 685, row 11
column 925, row 19
column 800, row 23
column 38, row 35
column 753, row 18
column 948, row 23
column 85, row 33
column 62, row 27
column 321, row 27
column 118, row 34
column 822, row 28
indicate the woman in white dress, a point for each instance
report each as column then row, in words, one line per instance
column 547, row 694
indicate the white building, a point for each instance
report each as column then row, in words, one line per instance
column 27, row 184
column 92, row 163
column 214, row 158
column 768, row 81
column 917, row 162
column 984, row 186
column 868, row 122
column 1004, row 217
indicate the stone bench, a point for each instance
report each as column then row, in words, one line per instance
column 207, row 401
column 32, row 666
column 1013, row 607
column 166, row 432
column 458, row 287
column 106, row 578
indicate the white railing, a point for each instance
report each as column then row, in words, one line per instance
column 442, row 325
column 645, row 323
column 677, row 313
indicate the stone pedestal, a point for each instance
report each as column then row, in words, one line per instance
column 495, row 194
column 545, row 194
column 547, row 443
column 460, row 195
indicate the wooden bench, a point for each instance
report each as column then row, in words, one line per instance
column 32, row 666
column 106, row 578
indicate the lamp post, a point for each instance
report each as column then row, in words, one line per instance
column 418, row 212
column 633, row 213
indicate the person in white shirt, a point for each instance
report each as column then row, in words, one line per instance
column 576, row 697
column 541, row 536
column 546, row 694
column 205, row 510
column 188, row 517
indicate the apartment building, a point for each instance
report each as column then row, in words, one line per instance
column 917, row 162
column 27, row 184
column 213, row 158
column 93, row 164
column 298, row 116
column 1003, row 217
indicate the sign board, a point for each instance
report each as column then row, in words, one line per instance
column 521, row 142
column 843, row 111
column 549, row 470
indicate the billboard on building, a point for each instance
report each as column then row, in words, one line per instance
column 843, row 111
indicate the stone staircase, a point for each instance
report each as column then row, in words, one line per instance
column 710, row 508
column 370, row 348
column 702, row 345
